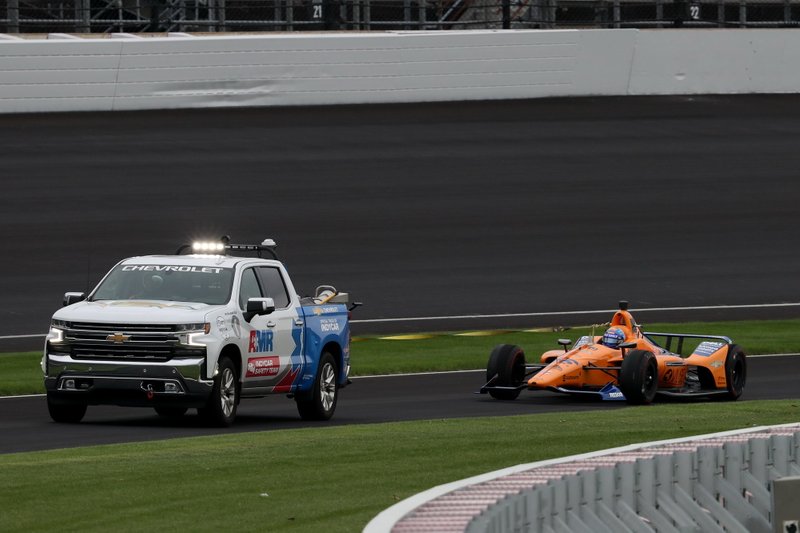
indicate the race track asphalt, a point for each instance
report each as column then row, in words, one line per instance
column 417, row 210
column 26, row 426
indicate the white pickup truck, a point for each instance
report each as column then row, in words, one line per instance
column 204, row 330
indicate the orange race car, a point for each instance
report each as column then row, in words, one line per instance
column 625, row 363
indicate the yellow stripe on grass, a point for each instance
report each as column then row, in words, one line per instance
column 409, row 337
column 484, row 333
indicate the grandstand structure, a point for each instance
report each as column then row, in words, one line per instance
column 158, row 16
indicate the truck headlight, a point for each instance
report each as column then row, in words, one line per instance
column 56, row 333
column 189, row 333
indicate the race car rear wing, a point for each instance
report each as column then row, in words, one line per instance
column 681, row 337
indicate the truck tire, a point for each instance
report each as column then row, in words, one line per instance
column 170, row 412
column 319, row 403
column 735, row 371
column 65, row 413
column 220, row 410
column 638, row 378
column 507, row 362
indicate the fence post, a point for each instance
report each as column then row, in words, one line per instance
column 506, row 14
column 659, row 13
column 329, row 15
column 83, row 15
column 221, row 15
column 12, row 11
column 276, row 14
column 680, row 13
column 155, row 17
column 423, row 16
column 743, row 13
column 343, row 21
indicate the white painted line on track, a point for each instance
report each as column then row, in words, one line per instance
column 757, row 356
column 3, row 337
column 563, row 313
column 407, row 374
column 22, row 396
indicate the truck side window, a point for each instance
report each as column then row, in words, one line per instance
column 273, row 284
column 249, row 288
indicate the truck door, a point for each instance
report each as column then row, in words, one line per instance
column 273, row 342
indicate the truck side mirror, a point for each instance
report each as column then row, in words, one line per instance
column 73, row 297
column 260, row 306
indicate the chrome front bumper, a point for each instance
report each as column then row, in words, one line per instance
column 179, row 381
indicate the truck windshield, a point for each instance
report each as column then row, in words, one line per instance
column 176, row 283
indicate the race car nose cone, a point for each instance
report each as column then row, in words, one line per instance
column 557, row 374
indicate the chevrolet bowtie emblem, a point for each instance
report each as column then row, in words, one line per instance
column 118, row 338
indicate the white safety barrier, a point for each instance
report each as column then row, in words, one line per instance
column 126, row 72
column 719, row 482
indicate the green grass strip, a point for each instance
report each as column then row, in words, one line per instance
column 319, row 479
column 453, row 351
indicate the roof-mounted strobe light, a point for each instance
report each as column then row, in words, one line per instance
column 206, row 247
column 223, row 246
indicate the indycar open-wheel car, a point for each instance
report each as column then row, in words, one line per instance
column 625, row 363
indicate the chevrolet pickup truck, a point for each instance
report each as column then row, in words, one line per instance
column 203, row 330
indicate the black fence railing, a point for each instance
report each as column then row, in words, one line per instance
column 136, row 16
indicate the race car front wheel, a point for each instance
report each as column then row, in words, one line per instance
column 638, row 378
column 507, row 363
column 735, row 371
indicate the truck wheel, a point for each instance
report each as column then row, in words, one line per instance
column 735, row 371
column 320, row 402
column 221, row 407
column 507, row 362
column 65, row 413
column 638, row 378
column 170, row 412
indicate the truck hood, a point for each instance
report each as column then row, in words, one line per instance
column 135, row 312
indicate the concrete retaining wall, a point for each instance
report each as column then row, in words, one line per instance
column 72, row 74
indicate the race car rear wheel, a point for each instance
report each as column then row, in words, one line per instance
column 735, row 371
column 507, row 362
column 638, row 378
column 65, row 413
column 319, row 403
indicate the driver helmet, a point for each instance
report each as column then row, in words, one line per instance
column 613, row 337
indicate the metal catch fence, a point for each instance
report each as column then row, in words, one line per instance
column 136, row 16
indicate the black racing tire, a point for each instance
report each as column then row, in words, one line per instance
column 65, row 413
column 735, row 372
column 220, row 411
column 507, row 362
column 319, row 403
column 638, row 377
column 168, row 411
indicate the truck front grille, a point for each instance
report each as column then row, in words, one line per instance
column 138, row 342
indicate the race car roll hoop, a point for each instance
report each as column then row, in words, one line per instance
column 625, row 363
